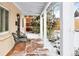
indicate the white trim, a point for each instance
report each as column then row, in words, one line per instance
column 41, row 27
column 2, row 33
column 46, row 7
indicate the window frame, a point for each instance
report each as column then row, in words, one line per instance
column 4, row 32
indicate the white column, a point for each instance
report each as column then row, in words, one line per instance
column 41, row 27
column 22, row 20
column 45, row 30
column 45, row 25
column 67, row 26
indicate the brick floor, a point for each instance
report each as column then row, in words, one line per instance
column 33, row 47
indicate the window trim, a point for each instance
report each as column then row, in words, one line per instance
column 2, row 33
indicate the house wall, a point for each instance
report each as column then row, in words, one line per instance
column 6, row 39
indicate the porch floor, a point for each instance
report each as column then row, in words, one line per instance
column 33, row 47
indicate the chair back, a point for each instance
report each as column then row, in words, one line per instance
column 15, row 36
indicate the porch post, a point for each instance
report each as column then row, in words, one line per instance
column 45, row 29
column 41, row 27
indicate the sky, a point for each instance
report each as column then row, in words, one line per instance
column 76, row 5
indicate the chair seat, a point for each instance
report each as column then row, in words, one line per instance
column 18, row 39
column 22, row 39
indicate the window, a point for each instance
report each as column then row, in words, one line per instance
column 4, row 17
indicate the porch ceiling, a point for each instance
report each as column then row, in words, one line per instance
column 31, row 8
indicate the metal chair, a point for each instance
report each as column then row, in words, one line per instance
column 19, row 39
